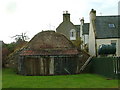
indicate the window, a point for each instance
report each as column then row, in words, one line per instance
column 111, row 25
column 72, row 34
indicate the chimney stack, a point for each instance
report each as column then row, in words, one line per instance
column 92, row 15
column 82, row 21
column 66, row 16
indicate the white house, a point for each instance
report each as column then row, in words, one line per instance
column 103, row 30
column 84, row 33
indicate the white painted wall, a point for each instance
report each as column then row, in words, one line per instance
column 86, row 39
column 92, row 35
column 118, row 48
column 92, row 46
column 81, row 30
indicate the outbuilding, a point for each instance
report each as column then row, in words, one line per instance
column 50, row 53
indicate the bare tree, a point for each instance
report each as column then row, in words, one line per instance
column 20, row 37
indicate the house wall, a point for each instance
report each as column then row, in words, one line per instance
column 118, row 48
column 85, row 39
column 92, row 46
column 65, row 28
column 108, row 41
column 84, row 36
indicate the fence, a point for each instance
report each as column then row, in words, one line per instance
column 106, row 66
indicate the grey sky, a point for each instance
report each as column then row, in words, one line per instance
column 33, row 16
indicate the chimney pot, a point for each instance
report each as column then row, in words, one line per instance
column 66, row 16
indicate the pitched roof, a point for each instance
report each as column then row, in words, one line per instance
column 49, row 43
column 77, row 28
column 85, row 28
column 107, row 26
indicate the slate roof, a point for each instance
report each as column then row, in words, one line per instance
column 77, row 27
column 85, row 28
column 102, row 27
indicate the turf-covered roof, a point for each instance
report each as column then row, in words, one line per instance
column 49, row 43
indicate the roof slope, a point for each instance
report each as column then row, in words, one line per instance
column 49, row 40
column 103, row 30
column 85, row 28
column 49, row 43
column 77, row 28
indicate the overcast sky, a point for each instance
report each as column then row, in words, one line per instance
column 33, row 16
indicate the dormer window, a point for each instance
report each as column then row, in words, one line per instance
column 111, row 25
column 72, row 34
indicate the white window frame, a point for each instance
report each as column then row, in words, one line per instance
column 72, row 34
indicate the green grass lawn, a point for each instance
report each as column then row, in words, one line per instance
column 13, row 80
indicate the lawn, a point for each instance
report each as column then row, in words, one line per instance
column 13, row 80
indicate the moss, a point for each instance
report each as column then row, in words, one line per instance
column 77, row 42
